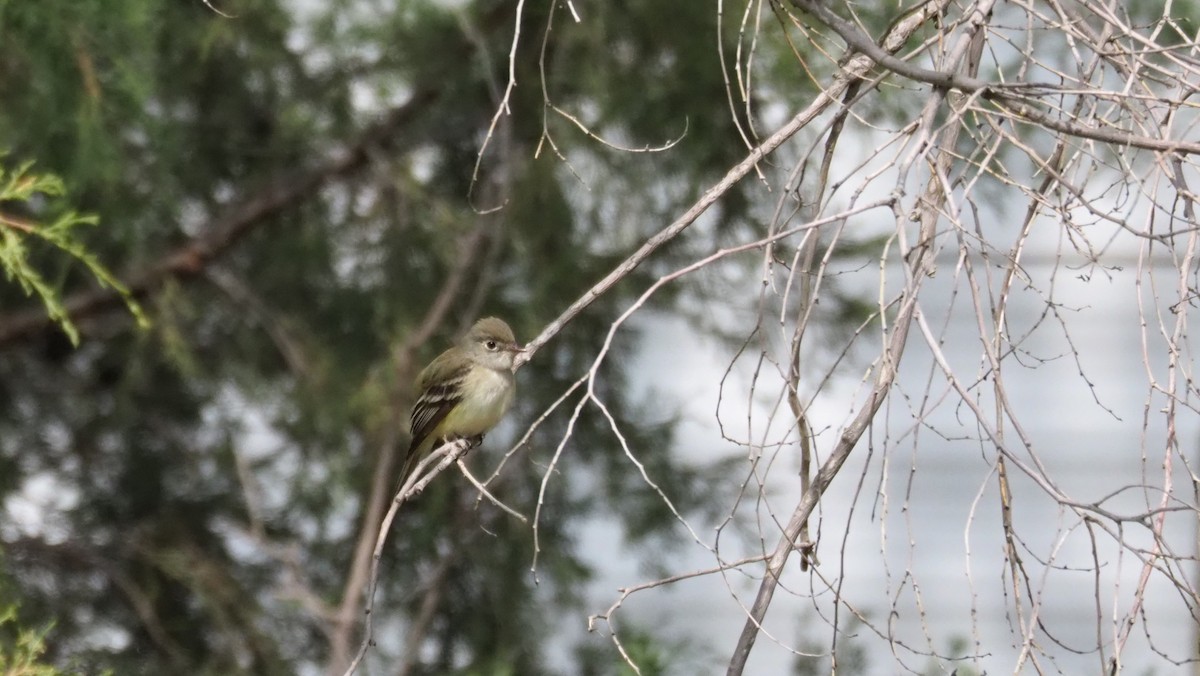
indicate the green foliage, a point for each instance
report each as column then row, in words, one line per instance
column 21, row 185
column 21, row 648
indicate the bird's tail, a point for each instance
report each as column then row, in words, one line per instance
column 416, row 451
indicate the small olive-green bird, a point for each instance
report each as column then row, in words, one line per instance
column 465, row 390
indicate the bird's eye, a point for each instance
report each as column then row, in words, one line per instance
column 491, row 345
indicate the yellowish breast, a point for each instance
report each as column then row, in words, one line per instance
column 489, row 393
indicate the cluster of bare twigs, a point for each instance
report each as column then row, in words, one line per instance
column 1086, row 119
column 1048, row 141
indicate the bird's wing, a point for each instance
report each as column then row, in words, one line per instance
column 439, row 385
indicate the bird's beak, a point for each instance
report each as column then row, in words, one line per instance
column 515, row 348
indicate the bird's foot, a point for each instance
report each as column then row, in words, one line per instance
column 472, row 442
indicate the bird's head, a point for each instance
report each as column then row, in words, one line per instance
column 491, row 342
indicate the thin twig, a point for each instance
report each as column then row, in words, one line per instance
column 445, row 455
column 854, row 69
column 462, row 466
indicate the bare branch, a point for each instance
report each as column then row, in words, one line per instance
column 444, row 456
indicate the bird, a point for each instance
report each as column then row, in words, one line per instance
column 464, row 391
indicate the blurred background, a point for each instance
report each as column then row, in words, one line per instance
column 308, row 201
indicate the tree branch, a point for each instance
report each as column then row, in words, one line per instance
column 1005, row 95
column 854, row 69
column 191, row 258
column 849, row 439
column 919, row 259
column 445, row 455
